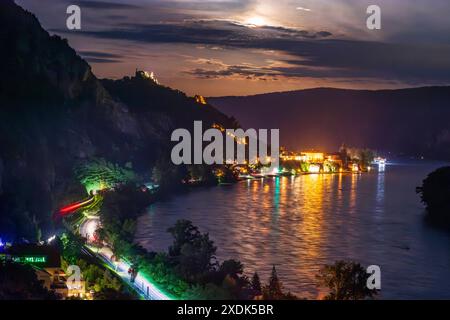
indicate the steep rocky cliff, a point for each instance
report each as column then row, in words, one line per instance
column 54, row 112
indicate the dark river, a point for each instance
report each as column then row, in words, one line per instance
column 302, row 223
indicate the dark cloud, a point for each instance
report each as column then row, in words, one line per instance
column 104, row 5
column 324, row 34
column 115, row 17
column 412, row 63
column 205, row 5
column 296, row 32
column 208, row 32
column 248, row 72
column 412, row 48
column 101, row 60
column 98, row 54
column 100, row 57
column 318, row 55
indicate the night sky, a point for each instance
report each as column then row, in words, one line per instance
column 241, row 47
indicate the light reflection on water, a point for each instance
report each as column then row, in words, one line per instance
column 301, row 223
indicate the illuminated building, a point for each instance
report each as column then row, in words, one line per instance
column 46, row 262
column 334, row 157
column 146, row 75
column 200, row 99
column 314, row 161
column 314, row 168
column 218, row 126
column 312, row 156
column 316, row 157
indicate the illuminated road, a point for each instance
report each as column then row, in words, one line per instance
column 147, row 289
column 87, row 228
column 72, row 208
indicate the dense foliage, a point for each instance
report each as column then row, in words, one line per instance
column 345, row 280
column 274, row 289
column 192, row 253
column 98, row 278
column 435, row 194
column 362, row 156
column 99, row 174
column 70, row 247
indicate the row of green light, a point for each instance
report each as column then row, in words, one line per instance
column 29, row 259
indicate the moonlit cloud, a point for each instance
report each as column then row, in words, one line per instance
column 228, row 46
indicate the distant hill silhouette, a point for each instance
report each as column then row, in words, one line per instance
column 409, row 121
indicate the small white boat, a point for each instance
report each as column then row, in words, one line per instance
column 379, row 161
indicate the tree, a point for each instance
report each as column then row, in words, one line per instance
column 434, row 193
column 274, row 290
column 209, row 291
column 230, row 276
column 346, row 280
column 225, row 174
column 203, row 173
column 98, row 278
column 183, row 232
column 99, row 174
column 366, row 157
column 196, row 258
column 256, row 284
column 158, row 268
column 344, row 155
column 120, row 208
column 167, row 175
column 71, row 248
column 192, row 252
column 232, row 268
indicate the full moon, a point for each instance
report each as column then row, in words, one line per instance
column 256, row 21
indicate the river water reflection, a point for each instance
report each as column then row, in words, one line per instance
column 301, row 223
